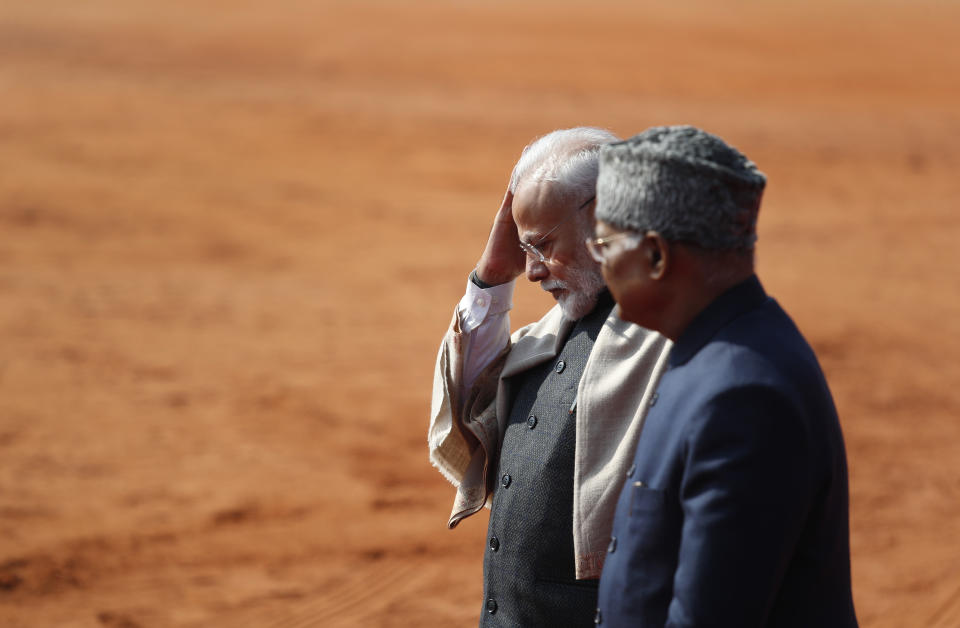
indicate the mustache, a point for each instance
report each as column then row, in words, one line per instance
column 554, row 284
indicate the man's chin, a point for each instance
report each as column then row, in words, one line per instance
column 577, row 296
column 575, row 305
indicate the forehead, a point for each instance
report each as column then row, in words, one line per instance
column 537, row 208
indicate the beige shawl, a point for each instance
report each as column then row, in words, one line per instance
column 618, row 381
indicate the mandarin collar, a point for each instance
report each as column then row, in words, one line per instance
column 741, row 298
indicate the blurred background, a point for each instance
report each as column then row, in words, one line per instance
column 233, row 233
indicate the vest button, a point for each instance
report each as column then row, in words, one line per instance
column 610, row 548
column 494, row 543
column 505, row 480
column 491, row 606
column 560, row 366
column 653, row 399
column 632, row 470
column 531, row 421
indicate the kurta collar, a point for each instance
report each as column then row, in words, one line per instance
column 744, row 296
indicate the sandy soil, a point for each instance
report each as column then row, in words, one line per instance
column 232, row 233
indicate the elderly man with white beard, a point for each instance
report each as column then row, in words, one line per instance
column 540, row 425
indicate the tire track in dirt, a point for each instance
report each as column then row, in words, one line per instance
column 948, row 614
column 367, row 592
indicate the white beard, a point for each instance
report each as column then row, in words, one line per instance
column 581, row 288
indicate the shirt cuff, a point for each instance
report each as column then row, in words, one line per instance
column 479, row 303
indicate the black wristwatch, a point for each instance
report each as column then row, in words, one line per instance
column 480, row 283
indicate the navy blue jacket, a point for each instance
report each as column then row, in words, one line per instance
column 736, row 510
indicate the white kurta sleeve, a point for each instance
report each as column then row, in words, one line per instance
column 484, row 315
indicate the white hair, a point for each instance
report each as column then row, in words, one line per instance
column 567, row 157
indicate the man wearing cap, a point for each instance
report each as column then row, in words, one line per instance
column 735, row 512
column 541, row 425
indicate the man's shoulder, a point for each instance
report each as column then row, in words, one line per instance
column 762, row 344
column 761, row 360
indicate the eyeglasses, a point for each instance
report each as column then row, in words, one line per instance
column 598, row 247
column 531, row 248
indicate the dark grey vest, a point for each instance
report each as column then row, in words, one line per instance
column 528, row 567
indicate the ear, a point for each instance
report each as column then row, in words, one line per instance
column 657, row 252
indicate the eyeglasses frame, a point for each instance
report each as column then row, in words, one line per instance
column 531, row 248
column 597, row 247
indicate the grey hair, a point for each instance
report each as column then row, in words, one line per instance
column 567, row 157
column 683, row 182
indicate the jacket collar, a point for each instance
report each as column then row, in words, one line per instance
column 741, row 298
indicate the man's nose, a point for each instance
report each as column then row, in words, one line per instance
column 536, row 270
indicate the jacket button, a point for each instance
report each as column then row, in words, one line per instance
column 610, row 548
column 598, row 618
column 505, row 480
column 632, row 470
column 491, row 606
column 560, row 366
column 531, row 421
column 494, row 543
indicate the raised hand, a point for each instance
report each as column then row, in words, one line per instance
column 503, row 260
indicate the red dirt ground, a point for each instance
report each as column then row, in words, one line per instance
column 232, row 234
